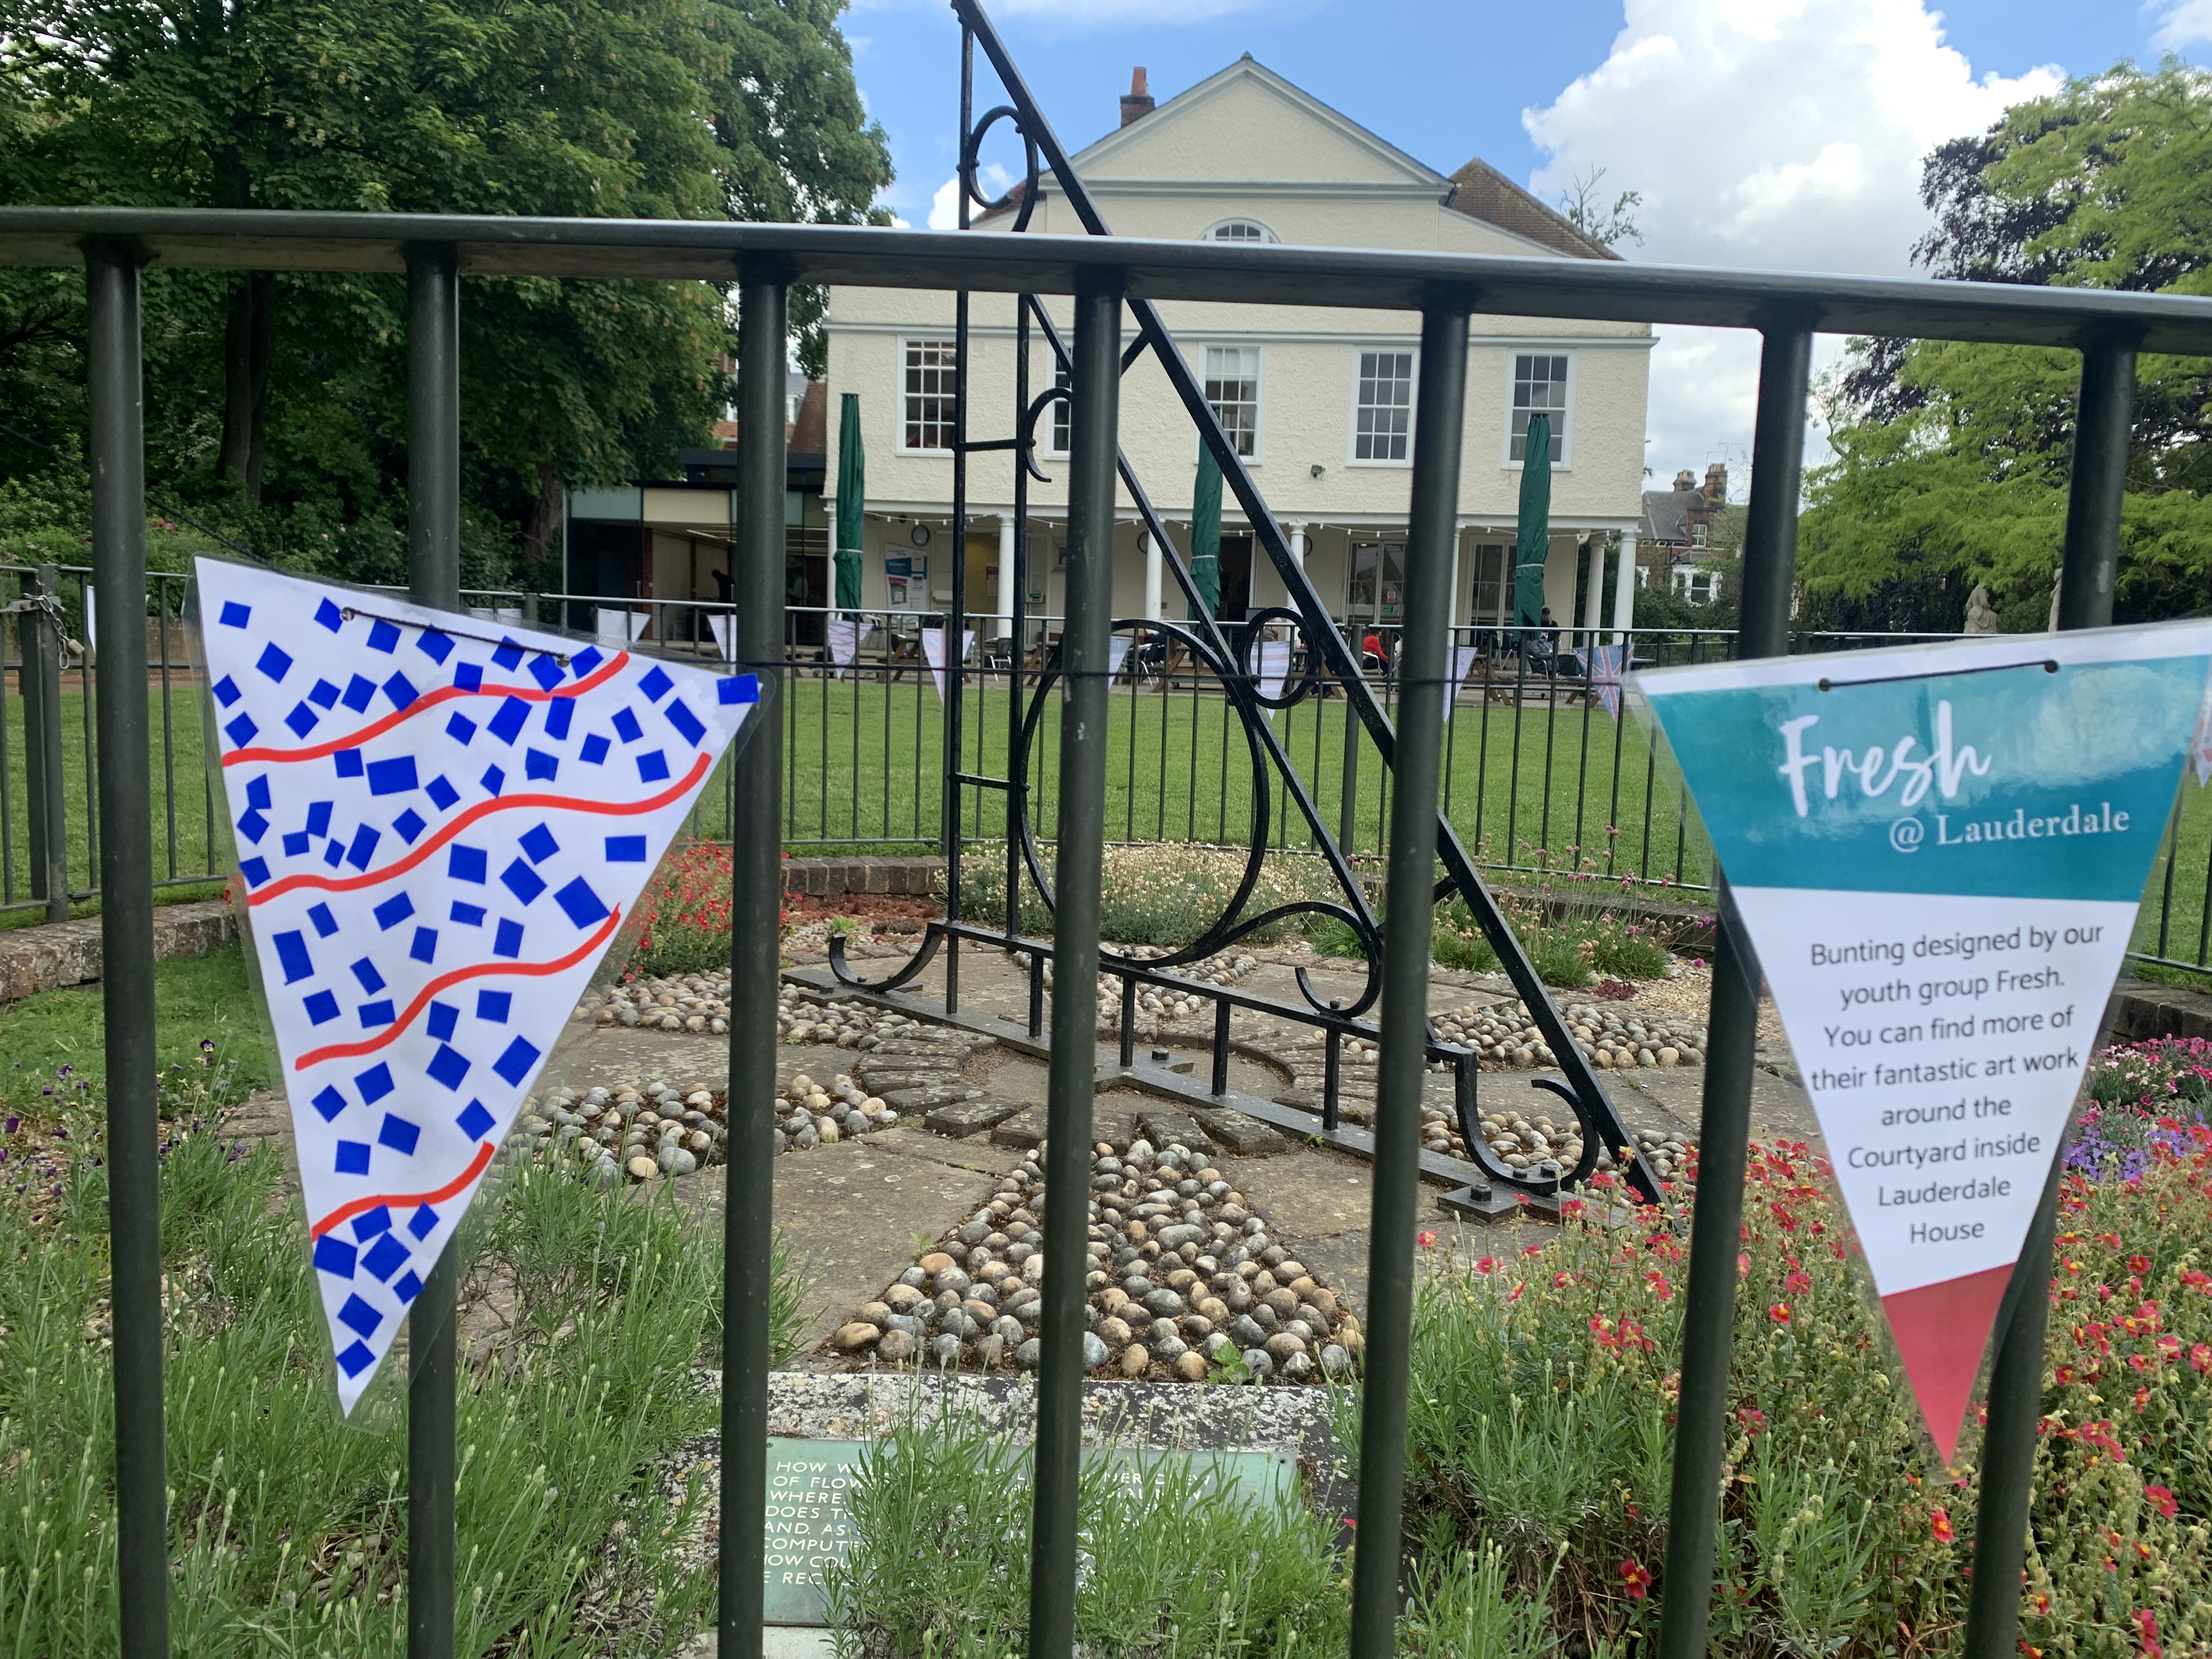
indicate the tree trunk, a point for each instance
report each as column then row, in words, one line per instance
column 246, row 339
column 541, row 529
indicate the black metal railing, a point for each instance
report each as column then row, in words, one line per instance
column 1111, row 279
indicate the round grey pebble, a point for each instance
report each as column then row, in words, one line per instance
column 1259, row 1363
column 1028, row 1355
column 1335, row 1361
column 1094, row 1351
column 945, row 1350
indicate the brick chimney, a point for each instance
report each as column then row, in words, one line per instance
column 1684, row 480
column 1136, row 101
column 1717, row 484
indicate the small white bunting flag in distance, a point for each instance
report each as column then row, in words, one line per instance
column 441, row 825
column 1938, row 853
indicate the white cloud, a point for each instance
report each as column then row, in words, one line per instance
column 2184, row 23
column 1782, row 135
column 944, row 207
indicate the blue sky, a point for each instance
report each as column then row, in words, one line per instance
column 1782, row 134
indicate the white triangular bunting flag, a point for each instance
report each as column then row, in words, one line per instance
column 1117, row 653
column 1938, row 853
column 441, row 826
column 932, row 649
column 1274, row 667
column 1462, row 660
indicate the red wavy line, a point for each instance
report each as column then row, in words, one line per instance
column 423, row 704
column 477, row 970
column 504, row 803
column 347, row 1212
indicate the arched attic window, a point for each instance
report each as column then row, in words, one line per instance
column 1239, row 230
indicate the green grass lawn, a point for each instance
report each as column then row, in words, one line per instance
column 196, row 1000
column 1532, row 788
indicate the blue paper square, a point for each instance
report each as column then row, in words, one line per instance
column 383, row 636
column 423, row 1222
column 494, row 780
column 508, row 655
column 358, row 693
column 626, row 726
column 434, row 645
column 540, row 767
column 365, row 971
column 738, row 688
column 394, row 776
column 656, row 684
column 328, row 1101
column 594, row 749
column 353, row 1157
column 408, row 826
column 693, row 728
column 469, row 676
column 560, row 714
column 625, row 849
column 545, row 671
column 401, row 690
column 399, row 1134
column 358, row 1316
column 514, row 1065
column 508, row 941
column 580, row 903
column 322, row 1008
column 468, row 915
column 466, row 863
column 448, row 1067
column 652, row 767
column 519, row 879
column 394, row 911
column 425, row 947
column 374, row 1084
column 363, row 848
column 227, row 691
column 356, row 1360
column 256, row 791
column 375, row 1016
column 407, row 1286
column 322, row 694
column 292, row 957
column 235, row 615
column 538, row 844
column 303, row 719
column 369, row 1222
column 240, row 730
column 443, row 793
column 252, row 825
column 256, row 870
column 508, row 719
column 386, row 1257
column 460, row 728
column 318, row 818
column 494, row 1005
column 334, row 1256
column 585, row 661
column 298, row 841
column 275, row 662
column 475, row 1122
column 347, row 763
column 326, row 923
column 329, row 615
column 443, row 1018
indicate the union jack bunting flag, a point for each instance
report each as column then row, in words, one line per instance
column 442, row 822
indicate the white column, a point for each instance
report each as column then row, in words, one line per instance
column 1297, row 529
column 1153, row 572
column 1451, row 614
column 1624, row 589
column 1594, row 598
column 1005, row 625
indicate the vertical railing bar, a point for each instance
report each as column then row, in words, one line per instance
column 2090, row 567
column 7, row 768
column 2165, row 883
column 1084, row 642
column 1220, row 1079
column 2205, row 925
column 1482, row 749
column 1582, row 764
column 1613, row 800
column 1551, row 742
column 1513, row 785
column 1650, row 776
column 1708, row 1321
column 87, row 674
column 168, row 733
column 127, row 986
column 755, row 880
column 433, row 555
column 1405, row 972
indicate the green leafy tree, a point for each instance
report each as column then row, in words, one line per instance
column 1951, row 459
column 280, row 399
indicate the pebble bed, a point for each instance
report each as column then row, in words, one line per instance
column 630, row 1131
column 1504, row 1038
column 1158, row 1006
column 1183, row 1284
column 699, row 1003
column 635, row 1132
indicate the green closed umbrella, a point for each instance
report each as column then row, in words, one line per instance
column 852, row 504
column 1205, row 533
column 1532, row 542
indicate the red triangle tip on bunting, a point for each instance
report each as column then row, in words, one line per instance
column 1941, row 1331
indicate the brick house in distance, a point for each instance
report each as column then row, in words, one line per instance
column 1684, row 530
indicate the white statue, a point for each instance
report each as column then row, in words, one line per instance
column 2057, row 576
column 1981, row 617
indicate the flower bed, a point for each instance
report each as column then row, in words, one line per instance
column 1544, row 1391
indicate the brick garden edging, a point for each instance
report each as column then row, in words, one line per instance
column 55, row 954
column 910, row 878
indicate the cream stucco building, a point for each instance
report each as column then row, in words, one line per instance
column 1319, row 401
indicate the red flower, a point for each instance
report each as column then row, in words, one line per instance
column 2138, row 1264
column 1635, row 1577
column 2146, row 1622
column 1487, row 1265
column 1939, row 1522
column 1753, row 1419
column 2161, row 1499
column 1779, row 1312
column 2199, row 1358
column 1796, row 1284
column 1426, row 1240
